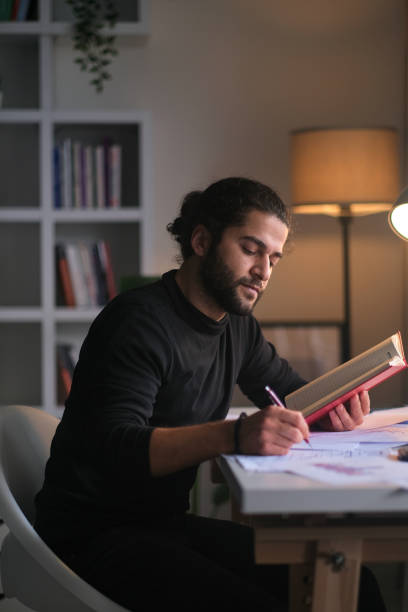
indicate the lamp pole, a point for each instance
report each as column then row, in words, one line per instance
column 345, row 220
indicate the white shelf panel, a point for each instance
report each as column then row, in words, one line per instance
column 60, row 116
column 121, row 29
column 25, row 28
column 76, row 315
column 114, row 215
column 20, row 214
column 20, row 116
column 21, row 314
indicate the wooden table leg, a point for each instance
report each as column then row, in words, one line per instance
column 336, row 584
column 300, row 587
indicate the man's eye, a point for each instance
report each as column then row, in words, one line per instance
column 248, row 251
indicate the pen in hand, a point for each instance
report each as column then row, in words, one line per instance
column 279, row 402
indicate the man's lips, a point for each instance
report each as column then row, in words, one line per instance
column 256, row 289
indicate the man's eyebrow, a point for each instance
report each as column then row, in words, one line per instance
column 261, row 244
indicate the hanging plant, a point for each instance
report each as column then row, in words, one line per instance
column 96, row 48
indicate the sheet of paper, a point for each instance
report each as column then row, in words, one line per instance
column 386, row 435
column 283, row 463
column 381, row 418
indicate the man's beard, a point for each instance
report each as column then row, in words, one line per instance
column 218, row 281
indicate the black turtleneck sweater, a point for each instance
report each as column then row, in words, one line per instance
column 150, row 359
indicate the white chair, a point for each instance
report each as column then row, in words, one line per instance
column 30, row 571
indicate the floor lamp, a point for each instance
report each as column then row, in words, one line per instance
column 344, row 173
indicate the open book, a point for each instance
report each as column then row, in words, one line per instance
column 363, row 372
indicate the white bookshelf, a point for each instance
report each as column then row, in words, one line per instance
column 31, row 322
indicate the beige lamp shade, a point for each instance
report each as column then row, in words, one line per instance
column 344, row 171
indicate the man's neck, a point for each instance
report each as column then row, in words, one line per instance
column 189, row 281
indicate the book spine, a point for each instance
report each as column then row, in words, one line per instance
column 14, row 10
column 89, row 273
column 100, row 275
column 82, row 176
column 115, row 154
column 77, row 275
column 64, row 276
column 106, row 172
column 66, row 370
column 6, row 9
column 23, row 10
column 67, row 173
column 76, row 152
column 105, row 256
column 89, row 182
column 100, row 182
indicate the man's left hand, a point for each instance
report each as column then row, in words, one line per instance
column 346, row 417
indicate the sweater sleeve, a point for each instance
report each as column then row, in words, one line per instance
column 263, row 366
column 120, row 370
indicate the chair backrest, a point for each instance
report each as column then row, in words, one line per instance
column 25, row 439
column 30, row 571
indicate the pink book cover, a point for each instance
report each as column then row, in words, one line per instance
column 365, row 386
column 365, row 380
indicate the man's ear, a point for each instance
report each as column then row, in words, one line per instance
column 200, row 240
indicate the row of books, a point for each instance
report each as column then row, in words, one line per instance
column 16, row 10
column 87, row 176
column 85, row 274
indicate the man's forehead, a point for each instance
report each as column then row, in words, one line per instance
column 262, row 226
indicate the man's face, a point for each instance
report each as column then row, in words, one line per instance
column 236, row 272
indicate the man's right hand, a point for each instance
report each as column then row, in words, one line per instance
column 272, row 431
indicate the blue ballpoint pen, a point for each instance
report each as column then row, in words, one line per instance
column 279, row 402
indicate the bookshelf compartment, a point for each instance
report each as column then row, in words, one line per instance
column 70, row 336
column 20, row 273
column 70, row 144
column 123, row 240
column 19, row 74
column 19, row 161
column 20, row 364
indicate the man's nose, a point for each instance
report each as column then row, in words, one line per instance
column 263, row 269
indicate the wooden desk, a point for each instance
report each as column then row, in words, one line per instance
column 324, row 533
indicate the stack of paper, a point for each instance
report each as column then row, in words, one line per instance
column 352, row 457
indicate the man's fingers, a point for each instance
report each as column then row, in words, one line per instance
column 287, row 423
column 295, row 419
column 365, row 402
column 356, row 410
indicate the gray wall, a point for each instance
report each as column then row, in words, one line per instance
column 226, row 81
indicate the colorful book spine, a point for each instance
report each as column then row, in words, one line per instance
column 100, row 181
column 78, row 279
column 67, row 172
column 88, row 176
column 100, row 275
column 106, row 260
column 115, row 183
column 64, row 277
column 76, row 156
column 106, row 172
column 66, row 366
column 88, row 272
column 22, row 10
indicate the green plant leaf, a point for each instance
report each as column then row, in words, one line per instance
column 90, row 17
